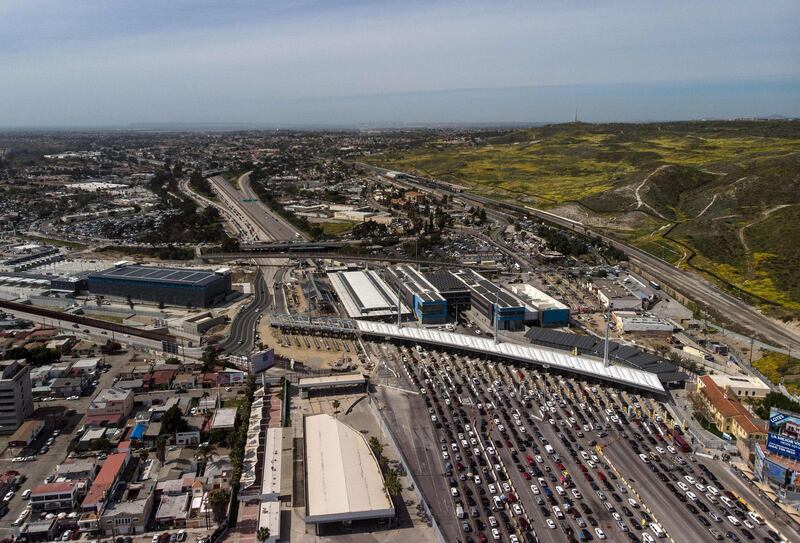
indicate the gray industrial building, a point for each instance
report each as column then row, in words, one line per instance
column 171, row 286
column 16, row 399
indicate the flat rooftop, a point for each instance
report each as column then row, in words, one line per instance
column 135, row 272
column 344, row 481
column 365, row 294
column 332, row 380
column 546, row 358
column 417, row 283
column 491, row 293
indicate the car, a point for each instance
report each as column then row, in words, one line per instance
column 600, row 533
column 492, row 522
column 73, row 397
column 466, row 527
column 732, row 536
column 9, row 496
column 647, row 538
column 495, row 534
column 66, row 535
column 513, row 539
column 733, row 520
column 715, row 534
column 551, row 524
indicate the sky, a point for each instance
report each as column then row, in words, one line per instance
column 351, row 62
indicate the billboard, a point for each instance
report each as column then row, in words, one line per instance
column 262, row 360
column 784, row 434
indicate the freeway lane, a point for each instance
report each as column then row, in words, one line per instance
column 689, row 284
column 242, row 333
column 279, row 227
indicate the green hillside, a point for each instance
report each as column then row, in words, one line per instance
column 720, row 197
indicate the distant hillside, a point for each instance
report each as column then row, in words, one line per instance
column 721, row 197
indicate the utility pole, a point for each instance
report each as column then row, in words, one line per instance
column 605, row 344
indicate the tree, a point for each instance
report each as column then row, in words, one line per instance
column 392, row 483
column 205, row 451
column 376, row 447
column 111, row 347
column 209, row 358
column 173, row 421
column 262, row 534
column 218, row 499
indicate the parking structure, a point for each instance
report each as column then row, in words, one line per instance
column 528, row 455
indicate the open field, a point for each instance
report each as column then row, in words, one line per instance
column 720, row 197
column 777, row 367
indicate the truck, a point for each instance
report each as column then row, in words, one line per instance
column 460, row 511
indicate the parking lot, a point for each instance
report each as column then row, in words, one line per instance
column 515, row 454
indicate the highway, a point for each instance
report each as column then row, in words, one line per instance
column 269, row 293
column 262, row 224
column 280, row 227
column 689, row 284
column 241, row 337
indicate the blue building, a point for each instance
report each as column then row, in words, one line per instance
column 425, row 300
column 492, row 300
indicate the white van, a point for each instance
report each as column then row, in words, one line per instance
column 657, row 530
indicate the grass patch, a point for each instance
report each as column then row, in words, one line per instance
column 333, row 229
column 53, row 241
column 777, row 366
column 109, row 318
column 234, row 402
column 233, row 179
column 710, row 426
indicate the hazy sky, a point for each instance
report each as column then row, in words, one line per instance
column 102, row 62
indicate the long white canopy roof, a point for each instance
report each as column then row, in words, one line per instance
column 536, row 355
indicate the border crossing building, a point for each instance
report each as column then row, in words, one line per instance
column 365, row 295
column 488, row 298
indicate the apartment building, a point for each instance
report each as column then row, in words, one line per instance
column 16, row 399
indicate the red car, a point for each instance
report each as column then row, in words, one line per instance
column 526, row 475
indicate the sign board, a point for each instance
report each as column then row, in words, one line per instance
column 784, row 434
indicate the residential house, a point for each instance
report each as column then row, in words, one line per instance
column 129, row 515
column 110, row 407
column 103, row 486
column 85, row 348
column 173, row 510
column 69, row 386
column 56, row 496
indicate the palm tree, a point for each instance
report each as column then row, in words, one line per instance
column 262, row 534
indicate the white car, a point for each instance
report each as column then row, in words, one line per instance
column 671, row 449
column 683, row 486
column 600, row 533
column 535, row 490
column 648, row 538
column 495, row 534
column 9, row 496
column 492, row 488
column 517, row 508
column 733, row 520
column 551, row 524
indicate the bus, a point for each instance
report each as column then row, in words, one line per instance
column 680, row 443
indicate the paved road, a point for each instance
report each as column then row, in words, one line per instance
column 280, row 227
column 243, row 328
column 262, row 223
column 689, row 284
